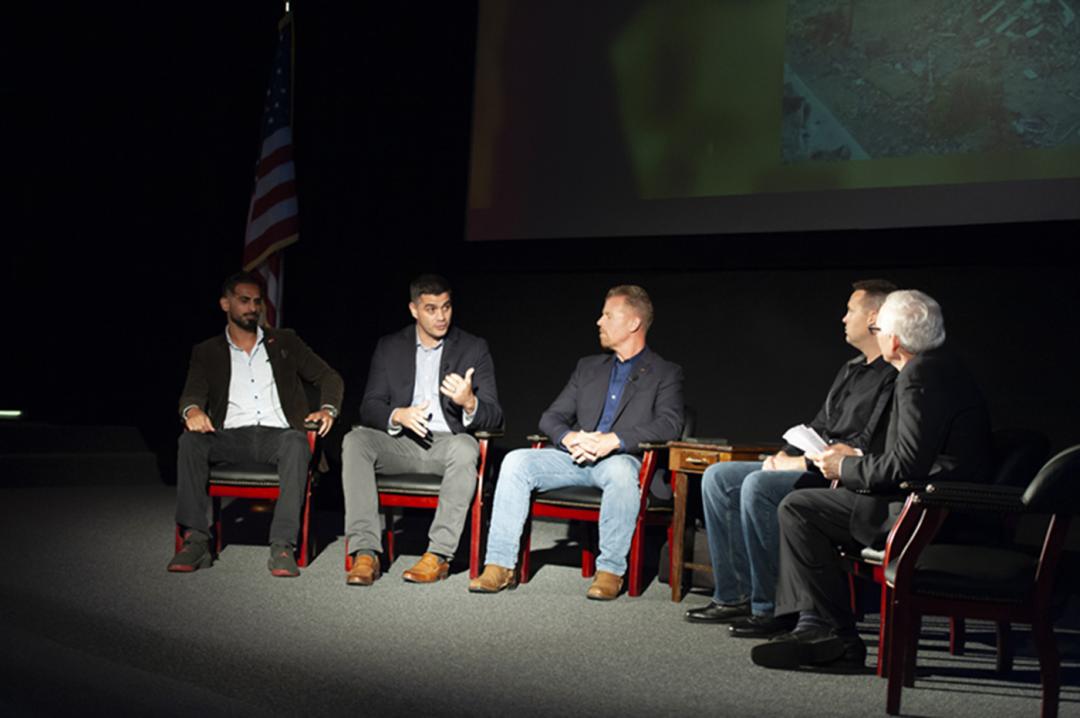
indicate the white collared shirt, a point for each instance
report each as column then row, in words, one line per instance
column 253, row 396
column 426, row 383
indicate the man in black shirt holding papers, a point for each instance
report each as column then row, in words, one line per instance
column 741, row 497
column 938, row 429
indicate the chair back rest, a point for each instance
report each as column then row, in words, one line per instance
column 1018, row 455
column 1056, row 488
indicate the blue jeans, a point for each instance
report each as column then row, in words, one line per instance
column 527, row 470
column 741, row 503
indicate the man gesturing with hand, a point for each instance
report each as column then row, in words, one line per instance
column 428, row 386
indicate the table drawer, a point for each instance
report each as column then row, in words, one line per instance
column 691, row 460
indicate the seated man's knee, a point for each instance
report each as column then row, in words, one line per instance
column 193, row 443
column 514, row 464
column 293, row 441
column 793, row 506
column 622, row 473
column 754, row 487
column 357, row 444
column 721, row 481
column 462, row 449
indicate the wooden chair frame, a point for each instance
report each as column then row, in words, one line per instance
column 541, row 508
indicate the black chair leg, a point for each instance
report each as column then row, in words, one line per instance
column 1004, row 648
column 914, row 631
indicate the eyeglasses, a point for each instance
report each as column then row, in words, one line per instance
column 873, row 329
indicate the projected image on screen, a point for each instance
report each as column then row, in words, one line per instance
column 879, row 78
column 616, row 118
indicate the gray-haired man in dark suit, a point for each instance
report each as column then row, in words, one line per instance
column 939, row 428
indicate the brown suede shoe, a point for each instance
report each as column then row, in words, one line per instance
column 605, row 586
column 429, row 569
column 365, row 570
column 493, row 579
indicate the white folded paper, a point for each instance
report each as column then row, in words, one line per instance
column 805, row 439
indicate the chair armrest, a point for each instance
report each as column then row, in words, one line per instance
column 492, row 434
column 967, row 497
column 652, row 445
column 537, row 438
column 312, row 425
column 914, row 485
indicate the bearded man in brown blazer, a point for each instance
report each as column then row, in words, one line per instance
column 244, row 401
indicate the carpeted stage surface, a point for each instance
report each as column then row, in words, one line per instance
column 93, row 624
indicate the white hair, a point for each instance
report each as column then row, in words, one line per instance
column 914, row 318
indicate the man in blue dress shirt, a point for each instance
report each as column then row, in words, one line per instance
column 612, row 403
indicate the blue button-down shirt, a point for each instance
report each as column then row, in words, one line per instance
column 620, row 374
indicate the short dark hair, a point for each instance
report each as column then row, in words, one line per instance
column 427, row 284
column 638, row 299
column 876, row 291
column 229, row 287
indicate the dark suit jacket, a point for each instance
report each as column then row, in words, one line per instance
column 392, row 376
column 207, row 385
column 939, row 429
column 650, row 409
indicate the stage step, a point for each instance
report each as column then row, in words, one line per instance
column 40, row 454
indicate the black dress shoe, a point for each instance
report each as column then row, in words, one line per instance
column 761, row 626
column 811, row 647
column 717, row 613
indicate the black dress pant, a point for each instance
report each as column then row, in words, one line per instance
column 813, row 523
column 285, row 448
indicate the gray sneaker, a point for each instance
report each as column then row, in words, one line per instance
column 193, row 554
column 282, row 563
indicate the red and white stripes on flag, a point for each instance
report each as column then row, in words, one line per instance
column 272, row 222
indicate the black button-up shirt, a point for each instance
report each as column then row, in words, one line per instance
column 856, row 409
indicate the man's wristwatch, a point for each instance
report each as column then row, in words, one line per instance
column 331, row 411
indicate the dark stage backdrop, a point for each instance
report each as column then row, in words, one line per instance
column 133, row 140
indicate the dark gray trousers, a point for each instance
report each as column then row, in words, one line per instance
column 813, row 522
column 366, row 452
column 285, row 448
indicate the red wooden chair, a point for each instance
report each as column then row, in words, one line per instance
column 998, row 583
column 582, row 503
column 258, row 481
column 1018, row 454
column 421, row 491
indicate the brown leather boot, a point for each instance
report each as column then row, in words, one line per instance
column 605, row 586
column 493, row 579
column 429, row 569
column 365, row 570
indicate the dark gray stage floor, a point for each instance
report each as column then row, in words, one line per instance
column 92, row 623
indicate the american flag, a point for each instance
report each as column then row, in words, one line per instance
column 272, row 222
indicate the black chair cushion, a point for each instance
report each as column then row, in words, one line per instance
column 250, row 474
column 584, row 497
column 972, row 572
column 420, row 484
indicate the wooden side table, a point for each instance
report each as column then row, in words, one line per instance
column 691, row 458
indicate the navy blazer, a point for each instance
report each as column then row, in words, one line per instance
column 939, row 429
column 392, row 378
column 650, row 409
